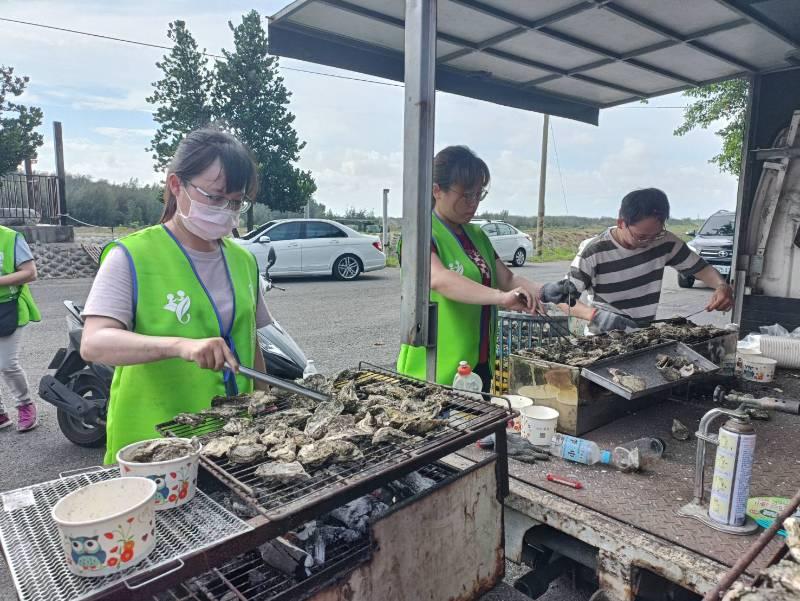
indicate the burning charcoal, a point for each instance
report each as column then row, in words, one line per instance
column 317, row 424
column 792, row 527
column 189, row 419
column 285, row 452
column 389, row 434
column 246, row 453
column 287, row 558
column 219, row 447
column 237, row 425
column 679, row 431
column 257, row 576
column 410, row 485
column 626, row 380
column 324, row 451
column 286, row 473
column 260, row 403
column 356, row 515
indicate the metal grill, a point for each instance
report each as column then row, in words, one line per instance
column 32, row 544
column 467, row 419
column 517, row 331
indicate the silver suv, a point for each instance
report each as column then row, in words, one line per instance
column 714, row 242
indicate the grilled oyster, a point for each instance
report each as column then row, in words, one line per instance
column 219, row 447
column 189, row 419
column 422, row 425
column 285, row 452
column 274, row 436
column 792, row 528
column 343, row 427
column 244, row 453
column 687, row 370
column 367, row 423
column 237, row 425
column 287, row 473
column 293, row 418
column 386, row 389
column 317, row 382
column 223, row 411
column 626, row 380
column 159, row 449
column 260, row 403
column 240, row 400
column 348, row 397
column 317, row 424
column 389, row 434
column 679, row 431
column 324, row 451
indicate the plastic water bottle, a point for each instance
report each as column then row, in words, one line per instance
column 638, row 453
column 578, row 450
column 310, row 369
column 466, row 379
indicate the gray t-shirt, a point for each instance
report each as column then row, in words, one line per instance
column 22, row 251
column 112, row 291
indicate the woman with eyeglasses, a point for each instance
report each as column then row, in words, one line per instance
column 622, row 269
column 468, row 280
column 173, row 303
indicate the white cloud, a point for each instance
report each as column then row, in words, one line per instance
column 123, row 132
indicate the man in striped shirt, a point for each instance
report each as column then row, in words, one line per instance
column 622, row 268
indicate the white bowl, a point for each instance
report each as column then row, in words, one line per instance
column 107, row 526
column 176, row 479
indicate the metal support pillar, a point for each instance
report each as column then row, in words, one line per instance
column 418, row 128
column 385, row 240
column 542, row 187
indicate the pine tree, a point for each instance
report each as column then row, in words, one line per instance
column 252, row 102
column 18, row 140
column 182, row 96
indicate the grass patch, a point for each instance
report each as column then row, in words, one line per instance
column 392, row 261
column 560, row 253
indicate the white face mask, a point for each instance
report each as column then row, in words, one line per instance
column 206, row 222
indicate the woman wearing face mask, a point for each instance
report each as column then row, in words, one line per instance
column 173, row 303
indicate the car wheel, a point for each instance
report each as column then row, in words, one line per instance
column 685, row 281
column 519, row 258
column 346, row 267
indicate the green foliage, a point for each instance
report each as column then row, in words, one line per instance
column 726, row 102
column 99, row 202
column 18, row 140
column 181, row 96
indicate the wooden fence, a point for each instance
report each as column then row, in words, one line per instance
column 28, row 199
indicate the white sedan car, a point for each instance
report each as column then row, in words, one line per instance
column 314, row 247
column 509, row 243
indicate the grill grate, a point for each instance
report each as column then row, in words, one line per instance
column 465, row 415
column 32, row 544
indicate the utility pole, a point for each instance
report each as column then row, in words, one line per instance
column 542, row 186
column 385, row 241
column 58, row 144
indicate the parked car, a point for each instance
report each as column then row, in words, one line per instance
column 713, row 242
column 314, row 247
column 510, row 244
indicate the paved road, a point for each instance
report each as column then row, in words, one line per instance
column 338, row 324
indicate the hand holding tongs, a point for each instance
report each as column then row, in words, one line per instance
column 557, row 328
column 286, row 385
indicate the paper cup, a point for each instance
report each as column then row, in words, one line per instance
column 539, row 424
column 518, row 403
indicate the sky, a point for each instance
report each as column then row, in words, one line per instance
column 353, row 130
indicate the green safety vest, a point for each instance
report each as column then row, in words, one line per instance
column 459, row 334
column 27, row 310
column 170, row 300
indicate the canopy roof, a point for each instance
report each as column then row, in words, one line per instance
column 563, row 57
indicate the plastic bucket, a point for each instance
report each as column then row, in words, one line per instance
column 518, row 403
column 785, row 350
column 539, row 424
column 757, row 368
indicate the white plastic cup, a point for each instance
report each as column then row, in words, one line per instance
column 539, row 424
column 518, row 403
column 757, row 368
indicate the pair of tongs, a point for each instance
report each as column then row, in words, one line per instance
column 286, row 385
column 562, row 332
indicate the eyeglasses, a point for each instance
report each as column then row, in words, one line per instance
column 474, row 197
column 222, row 202
column 651, row 238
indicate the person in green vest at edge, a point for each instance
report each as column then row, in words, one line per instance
column 468, row 280
column 173, row 303
column 17, row 308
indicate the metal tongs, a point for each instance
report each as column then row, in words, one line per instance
column 286, row 385
column 563, row 333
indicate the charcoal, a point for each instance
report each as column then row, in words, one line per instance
column 287, row 558
column 357, row 514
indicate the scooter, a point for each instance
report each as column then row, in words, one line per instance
column 79, row 390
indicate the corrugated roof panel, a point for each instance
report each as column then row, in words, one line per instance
column 633, row 77
column 533, row 10
column 539, row 47
column 346, row 23
column 468, row 24
column 479, row 62
column 568, row 86
column 686, row 61
column 607, row 30
column 751, row 44
column 683, row 16
column 393, row 8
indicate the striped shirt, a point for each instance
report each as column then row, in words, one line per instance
column 628, row 281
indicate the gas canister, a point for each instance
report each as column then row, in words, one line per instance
column 733, row 468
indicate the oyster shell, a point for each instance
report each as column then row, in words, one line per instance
column 389, row 434
column 274, row 436
column 189, row 419
column 223, row 411
column 286, row 473
column 160, row 449
column 679, row 431
column 317, row 382
column 386, row 389
column 219, row 447
column 243, row 453
column 792, row 528
column 626, row 380
column 367, row 424
column 293, row 418
column 320, row 452
column 261, row 403
column 317, row 424
column 240, row 400
column 422, row 425
column 343, row 427
column 348, row 397
column 237, row 425
column 285, row 452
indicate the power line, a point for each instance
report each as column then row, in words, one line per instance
column 558, row 166
column 209, row 54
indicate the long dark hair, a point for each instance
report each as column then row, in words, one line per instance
column 198, row 150
column 458, row 165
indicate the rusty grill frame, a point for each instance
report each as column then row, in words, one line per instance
column 285, row 507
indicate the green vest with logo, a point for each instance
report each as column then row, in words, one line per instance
column 170, row 300
column 27, row 310
column 459, row 334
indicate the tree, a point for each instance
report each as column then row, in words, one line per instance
column 727, row 102
column 250, row 100
column 18, row 138
column 182, row 95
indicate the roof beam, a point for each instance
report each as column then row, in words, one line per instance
column 633, row 17
column 742, row 74
column 742, row 9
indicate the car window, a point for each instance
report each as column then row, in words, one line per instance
column 718, row 225
column 490, row 229
column 504, row 229
column 286, row 231
column 255, row 233
column 320, row 229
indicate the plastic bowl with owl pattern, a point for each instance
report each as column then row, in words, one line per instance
column 107, row 526
column 169, row 462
